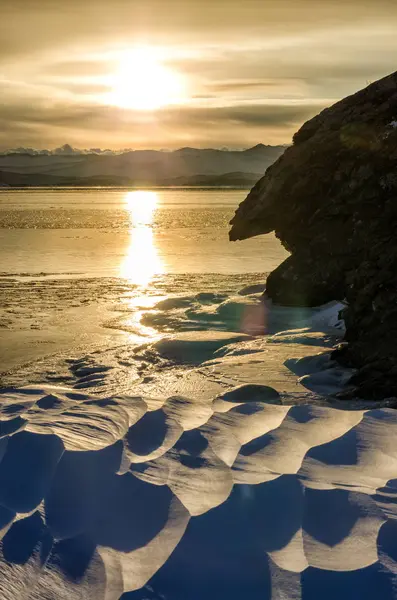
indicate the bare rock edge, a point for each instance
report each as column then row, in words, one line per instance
column 331, row 199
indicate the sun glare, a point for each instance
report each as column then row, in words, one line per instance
column 142, row 261
column 142, row 82
column 141, row 205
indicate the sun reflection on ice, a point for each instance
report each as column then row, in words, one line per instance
column 142, row 261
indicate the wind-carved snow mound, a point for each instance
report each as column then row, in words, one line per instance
column 238, row 496
column 207, row 463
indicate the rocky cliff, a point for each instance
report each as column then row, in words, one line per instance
column 331, row 199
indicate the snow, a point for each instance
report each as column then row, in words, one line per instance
column 210, row 463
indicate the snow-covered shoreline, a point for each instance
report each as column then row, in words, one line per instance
column 220, row 469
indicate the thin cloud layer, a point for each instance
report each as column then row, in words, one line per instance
column 254, row 71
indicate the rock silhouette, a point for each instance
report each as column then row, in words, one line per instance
column 331, row 200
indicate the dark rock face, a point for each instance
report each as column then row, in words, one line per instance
column 331, row 199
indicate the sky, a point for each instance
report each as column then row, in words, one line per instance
column 164, row 74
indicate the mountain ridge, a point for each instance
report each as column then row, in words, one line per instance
column 185, row 166
column 68, row 150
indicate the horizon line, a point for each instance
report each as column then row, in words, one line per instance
column 68, row 150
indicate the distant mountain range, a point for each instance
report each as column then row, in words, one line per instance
column 67, row 166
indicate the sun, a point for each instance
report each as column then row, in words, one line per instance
column 142, row 82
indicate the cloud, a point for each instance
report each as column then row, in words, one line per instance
column 256, row 70
column 171, row 127
column 40, row 27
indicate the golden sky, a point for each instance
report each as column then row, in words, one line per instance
column 171, row 73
